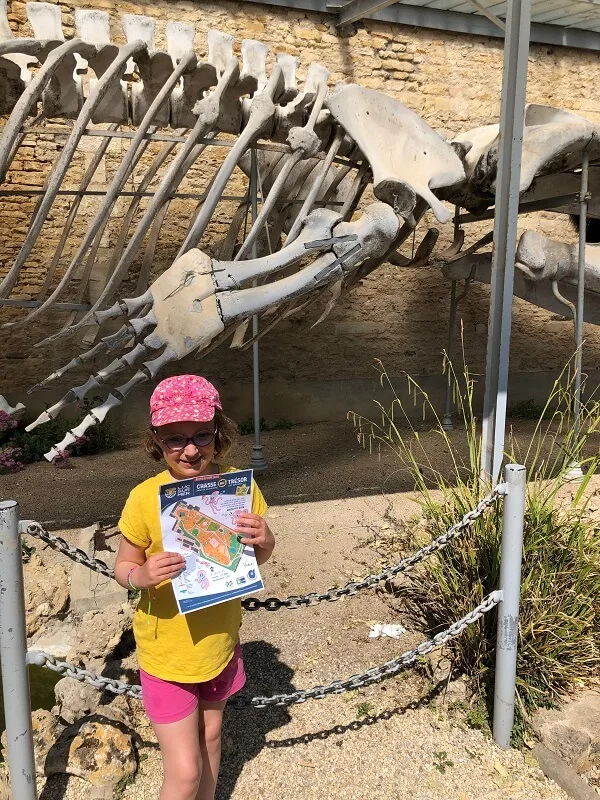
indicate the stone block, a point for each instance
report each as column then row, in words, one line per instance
column 90, row 590
column 573, row 731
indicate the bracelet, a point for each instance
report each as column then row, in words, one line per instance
column 129, row 582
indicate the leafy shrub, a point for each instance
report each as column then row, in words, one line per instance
column 30, row 446
column 246, row 428
column 529, row 409
column 559, row 622
column 10, row 460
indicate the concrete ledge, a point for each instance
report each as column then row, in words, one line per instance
column 569, row 781
column 316, row 401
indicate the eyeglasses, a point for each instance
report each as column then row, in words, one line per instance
column 178, row 441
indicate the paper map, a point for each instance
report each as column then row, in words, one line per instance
column 198, row 520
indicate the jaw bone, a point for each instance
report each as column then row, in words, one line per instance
column 540, row 259
column 407, row 157
column 540, row 293
column 190, row 308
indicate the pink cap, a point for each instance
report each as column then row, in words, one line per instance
column 183, row 398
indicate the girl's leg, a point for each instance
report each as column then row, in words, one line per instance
column 182, row 758
column 210, row 721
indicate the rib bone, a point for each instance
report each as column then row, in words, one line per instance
column 208, row 110
column 117, row 183
column 96, row 95
column 261, row 114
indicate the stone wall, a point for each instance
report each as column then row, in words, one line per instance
column 399, row 316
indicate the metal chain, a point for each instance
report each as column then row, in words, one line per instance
column 372, row 675
column 296, row 601
column 60, row 544
column 353, row 587
column 42, row 659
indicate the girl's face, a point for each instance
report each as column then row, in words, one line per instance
column 190, row 460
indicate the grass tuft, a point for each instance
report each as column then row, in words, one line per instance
column 559, row 626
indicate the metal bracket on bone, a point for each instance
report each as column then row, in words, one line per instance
column 323, row 244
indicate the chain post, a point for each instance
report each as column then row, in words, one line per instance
column 513, row 521
column 13, row 653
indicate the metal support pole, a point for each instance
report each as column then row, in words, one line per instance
column 513, row 519
column 447, row 420
column 258, row 459
column 575, row 472
column 13, row 652
column 514, row 83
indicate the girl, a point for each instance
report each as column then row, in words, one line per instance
column 189, row 664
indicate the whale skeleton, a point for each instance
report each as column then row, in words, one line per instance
column 317, row 155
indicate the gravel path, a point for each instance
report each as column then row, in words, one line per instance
column 395, row 740
column 391, row 741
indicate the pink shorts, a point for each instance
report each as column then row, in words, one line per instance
column 169, row 701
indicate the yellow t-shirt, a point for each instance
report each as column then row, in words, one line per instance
column 188, row 648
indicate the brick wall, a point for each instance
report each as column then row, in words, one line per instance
column 400, row 316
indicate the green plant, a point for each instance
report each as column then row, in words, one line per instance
column 121, row 785
column 476, row 716
column 560, row 615
column 441, row 761
column 27, row 550
column 246, row 428
column 529, row 409
column 364, row 709
column 281, row 425
column 98, row 439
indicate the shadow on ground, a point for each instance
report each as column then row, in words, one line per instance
column 307, row 463
column 245, row 730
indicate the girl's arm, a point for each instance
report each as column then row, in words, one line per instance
column 147, row 572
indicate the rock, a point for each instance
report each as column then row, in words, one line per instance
column 456, row 692
column 45, row 733
column 573, row 731
column 97, row 749
column 46, row 730
column 90, row 590
column 99, row 633
column 46, row 592
column 119, row 710
column 439, row 666
column 59, row 640
column 88, row 640
column 5, row 793
column 74, row 699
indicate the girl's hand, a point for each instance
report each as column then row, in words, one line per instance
column 156, row 569
column 255, row 531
